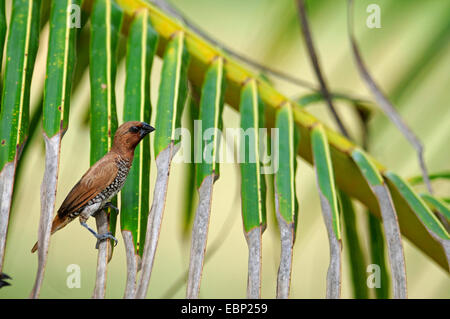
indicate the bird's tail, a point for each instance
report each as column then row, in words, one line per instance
column 57, row 224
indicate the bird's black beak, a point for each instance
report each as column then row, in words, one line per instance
column 4, row 283
column 146, row 129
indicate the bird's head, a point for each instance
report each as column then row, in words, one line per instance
column 129, row 134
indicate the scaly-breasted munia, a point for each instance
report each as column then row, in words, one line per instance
column 102, row 181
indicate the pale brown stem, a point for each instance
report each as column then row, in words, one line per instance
column 104, row 250
column 163, row 161
column 48, row 199
column 199, row 237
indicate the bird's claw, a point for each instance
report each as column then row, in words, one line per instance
column 4, row 277
column 110, row 205
column 102, row 237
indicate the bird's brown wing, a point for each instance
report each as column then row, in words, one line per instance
column 94, row 181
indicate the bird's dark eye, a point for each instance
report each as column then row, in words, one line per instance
column 134, row 129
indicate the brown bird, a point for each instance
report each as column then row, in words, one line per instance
column 102, row 181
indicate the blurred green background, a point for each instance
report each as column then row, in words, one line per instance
column 409, row 56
